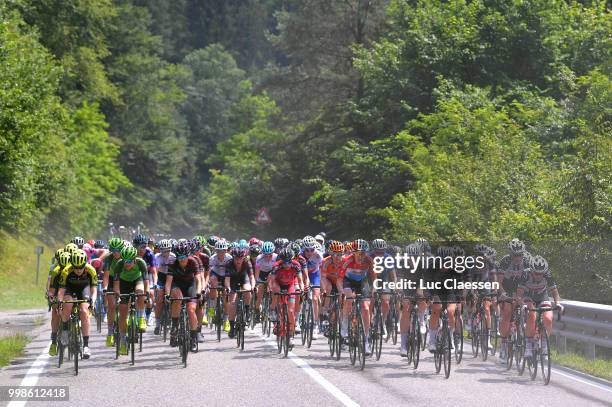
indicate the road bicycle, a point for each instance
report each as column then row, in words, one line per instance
column 376, row 326
column 241, row 318
column 75, row 336
column 356, row 331
column 334, row 339
column 184, row 340
column 541, row 345
column 414, row 335
column 134, row 334
column 281, row 325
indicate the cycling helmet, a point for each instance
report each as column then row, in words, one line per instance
column 200, row 239
column 71, row 248
column 254, row 241
column 320, row 239
column 295, row 247
column 64, row 259
column 309, row 242
column 206, row 250
column 151, row 240
column 538, row 265
column 516, row 247
column 267, row 248
column 221, row 244
column 195, row 245
column 379, row 244
column 413, row 249
column 127, row 243
column 88, row 249
column 360, row 245
column 165, row 244
column 458, row 251
column 99, row 244
column 58, row 253
column 336, row 247
column 78, row 259
column 348, row 246
column 91, row 242
column 490, row 253
column 128, row 253
column 239, row 251
column 255, row 250
column 480, row 249
column 212, row 240
column 323, row 235
column 278, row 242
column 300, row 242
column 445, row 251
column 115, row 243
column 286, row 255
column 78, row 240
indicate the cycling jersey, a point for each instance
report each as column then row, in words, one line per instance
column 149, row 258
column 74, row 283
column 109, row 263
column 184, row 274
column 239, row 275
column 217, row 267
column 54, row 276
column 264, row 266
column 163, row 260
column 536, row 285
column 355, row 271
column 512, row 272
column 204, row 259
column 330, row 270
column 286, row 276
column 136, row 272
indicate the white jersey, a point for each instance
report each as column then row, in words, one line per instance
column 263, row 265
column 164, row 261
column 218, row 266
column 314, row 261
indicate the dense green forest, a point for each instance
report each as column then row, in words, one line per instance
column 455, row 119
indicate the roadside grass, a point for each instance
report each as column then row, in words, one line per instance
column 18, row 272
column 596, row 367
column 12, row 347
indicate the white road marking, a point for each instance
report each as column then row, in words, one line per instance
column 31, row 377
column 326, row 384
column 599, row 386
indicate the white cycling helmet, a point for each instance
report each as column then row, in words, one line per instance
column 309, row 242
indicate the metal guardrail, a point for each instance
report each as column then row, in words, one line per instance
column 586, row 323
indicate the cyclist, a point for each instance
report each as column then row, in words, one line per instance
column 218, row 264
column 314, row 258
column 146, row 253
column 78, row 241
column 356, row 270
column 199, row 243
column 254, row 251
column 532, row 290
column 481, row 274
column 183, row 280
column 414, row 274
column 163, row 259
column 284, row 275
column 238, row 275
column 62, row 260
column 442, row 294
column 331, row 271
column 379, row 250
column 108, row 262
column 511, row 269
column 77, row 281
column 129, row 275
column 263, row 267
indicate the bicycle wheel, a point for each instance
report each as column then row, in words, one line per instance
column 426, row 334
column 519, row 351
column 252, row 310
column 484, row 338
column 218, row 319
column 338, row 336
column 509, row 345
column 393, row 327
column 60, row 349
column 132, row 337
column 458, row 338
column 331, row 332
column 242, row 326
column 416, row 342
column 74, row 343
column 545, row 356
column 165, row 317
column 352, row 338
column 264, row 314
column 475, row 334
column 286, row 330
column 303, row 321
column 438, row 353
column 446, row 351
column 98, row 314
column 186, row 339
column 309, row 324
column 117, row 339
column 377, row 339
column 277, row 330
column 493, row 331
column 361, row 340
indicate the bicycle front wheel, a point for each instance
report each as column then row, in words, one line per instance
column 286, row 330
column 475, row 334
column 545, row 356
column 458, row 338
column 361, row 342
column 446, row 351
column 133, row 338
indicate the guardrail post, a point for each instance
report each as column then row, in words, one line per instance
column 591, row 351
column 561, row 343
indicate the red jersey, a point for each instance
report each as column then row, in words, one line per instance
column 330, row 270
column 286, row 276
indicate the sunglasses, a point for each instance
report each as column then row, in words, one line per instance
column 337, row 254
column 115, row 250
column 181, row 257
column 128, row 261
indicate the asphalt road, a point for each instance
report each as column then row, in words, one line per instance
column 219, row 374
